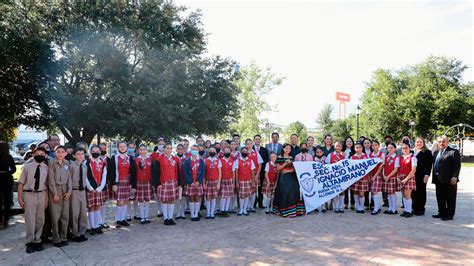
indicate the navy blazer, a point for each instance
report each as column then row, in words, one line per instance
column 188, row 171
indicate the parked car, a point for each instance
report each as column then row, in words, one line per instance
column 17, row 158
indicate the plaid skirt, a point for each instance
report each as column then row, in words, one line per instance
column 105, row 193
column 123, row 191
column 211, row 189
column 245, row 188
column 194, row 191
column 377, row 184
column 390, row 186
column 144, row 191
column 270, row 190
column 95, row 199
column 361, row 185
column 168, row 192
column 410, row 184
column 227, row 188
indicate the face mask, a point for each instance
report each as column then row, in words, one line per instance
column 69, row 157
column 194, row 152
column 212, row 154
column 386, row 143
column 131, row 151
column 201, row 153
column 180, row 154
column 227, row 155
column 406, row 141
column 244, row 154
column 304, row 150
column 103, row 152
column 161, row 147
column 218, row 150
column 95, row 155
column 122, row 152
column 39, row 158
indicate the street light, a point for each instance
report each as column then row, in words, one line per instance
column 411, row 124
column 357, row 114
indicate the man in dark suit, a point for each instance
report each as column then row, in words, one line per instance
column 274, row 146
column 446, row 168
column 264, row 154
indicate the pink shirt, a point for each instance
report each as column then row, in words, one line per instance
column 302, row 157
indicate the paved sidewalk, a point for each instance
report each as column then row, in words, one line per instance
column 329, row 238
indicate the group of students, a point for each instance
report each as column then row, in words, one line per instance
column 75, row 185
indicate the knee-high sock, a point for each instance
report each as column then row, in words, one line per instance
column 129, row 208
column 191, row 209
column 227, row 204
column 218, row 201
column 136, row 211
column 102, row 214
column 170, row 210
column 377, row 201
column 183, row 207
column 408, row 204
column 142, row 210
column 164, row 209
column 361, row 203
column 208, row 207
column 117, row 213
column 266, row 202
column 158, row 205
column 252, row 201
column 125, row 211
column 246, row 204
column 241, row 201
column 97, row 219
column 341, row 202
column 394, row 202
column 213, row 207
column 197, row 208
column 91, row 219
column 147, row 210
column 223, row 204
column 357, row 203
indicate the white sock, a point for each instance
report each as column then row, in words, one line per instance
column 142, row 210
column 213, row 207
column 91, row 219
column 117, row 213
column 208, row 208
column 246, row 204
column 197, row 208
column 97, row 219
column 377, row 201
column 183, row 207
column 252, row 201
column 102, row 214
column 136, row 211
column 356, row 202
column 403, row 201
column 191, row 209
column 223, row 204
column 241, row 201
column 158, row 204
column 227, row 204
column 394, row 202
column 170, row 210
column 129, row 208
column 341, row 202
column 164, row 209
column 408, row 203
column 361, row 203
column 232, row 202
column 266, row 202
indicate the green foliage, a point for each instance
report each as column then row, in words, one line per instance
column 298, row 128
column 341, row 129
column 254, row 84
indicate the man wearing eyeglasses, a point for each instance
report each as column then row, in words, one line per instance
column 446, row 168
column 53, row 141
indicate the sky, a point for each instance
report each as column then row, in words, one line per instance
column 322, row 47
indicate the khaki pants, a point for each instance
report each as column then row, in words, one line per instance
column 59, row 214
column 34, row 216
column 78, row 212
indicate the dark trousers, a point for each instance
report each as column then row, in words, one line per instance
column 260, row 195
column 47, row 225
column 5, row 201
column 419, row 197
column 446, row 197
column 348, row 192
column 385, row 198
column 368, row 200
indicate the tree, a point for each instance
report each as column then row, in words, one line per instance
column 297, row 128
column 114, row 69
column 324, row 122
column 254, row 84
column 341, row 129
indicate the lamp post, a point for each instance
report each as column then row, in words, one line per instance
column 357, row 115
column 412, row 124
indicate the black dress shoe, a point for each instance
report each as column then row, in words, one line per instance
column 408, row 215
column 84, row 238
column 105, row 226
column 403, row 214
column 194, row 219
column 136, row 217
column 58, row 245
column 159, row 215
column 436, row 216
column 386, row 212
column 446, row 218
column 171, row 222
column 166, row 222
column 30, row 249
column 38, row 247
column 124, row 223
column 375, row 212
column 99, row 231
column 77, row 239
column 418, row 213
column 64, row 243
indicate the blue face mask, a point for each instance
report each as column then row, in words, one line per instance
column 194, row 153
column 130, row 151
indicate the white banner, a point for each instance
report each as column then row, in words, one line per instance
column 322, row 182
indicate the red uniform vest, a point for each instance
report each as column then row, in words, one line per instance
column 405, row 165
column 245, row 170
column 363, row 156
column 272, row 172
column 253, row 155
column 195, row 168
column 143, row 169
column 181, row 161
column 336, row 158
column 389, row 164
column 227, row 169
column 168, row 168
column 373, row 155
column 123, row 168
column 212, row 169
column 97, row 170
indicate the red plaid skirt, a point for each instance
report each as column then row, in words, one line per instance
column 194, row 191
column 227, row 188
column 410, row 184
column 105, row 193
column 270, row 190
column 361, row 185
column 245, row 189
column 95, row 199
column 168, row 192
column 211, row 189
column 144, row 191
column 123, row 191
column 377, row 184
column 390, row 186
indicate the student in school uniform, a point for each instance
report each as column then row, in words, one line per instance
column 107, row 191
column 271, row 174
column 376, row 180
column 227, row 182
column 244, row 169
column 144, row 177
column 182, row 202
column 361, row 186
column 155, row 155
column 60, row 190
column 389, row 174
column 167, row 189
column 132, row 211
column 257, row 161
column 194, row 168
column 235, row 154
column 78, row 198
column 33, row 197
column 334, row 157
column 212, row 180
column 96, row 182
column 348, row 148
column 406, row 178
column 320, row 158
column 304, row 155
column 122, row 175
column 367, row 144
